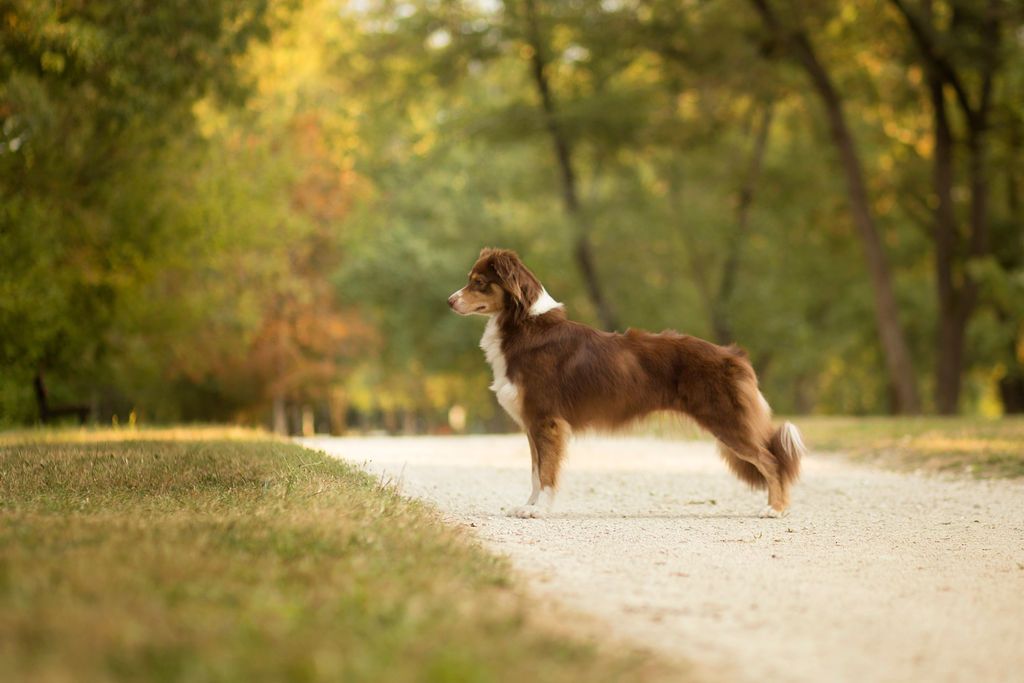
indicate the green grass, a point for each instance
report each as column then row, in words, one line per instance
column 127, row 558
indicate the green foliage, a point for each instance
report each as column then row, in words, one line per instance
column 91, row 96
column 209, row 208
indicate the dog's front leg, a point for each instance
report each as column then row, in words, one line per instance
column 547, row 447
column 535, row 492
column 530, row 509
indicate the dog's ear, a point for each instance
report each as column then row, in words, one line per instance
column 522, row 287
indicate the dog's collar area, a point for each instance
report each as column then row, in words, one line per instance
column 544, row 303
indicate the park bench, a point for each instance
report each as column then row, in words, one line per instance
column 47, row 413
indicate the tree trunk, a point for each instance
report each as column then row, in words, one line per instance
column 977, row 150
column 720, row 319
column 583, row 251
column 280, row 415
column 1011, row 386
column 307, row 425
column 950, row 333
column 894, row 345
column 337, row 408
column 1011, row 392
column 956, row 305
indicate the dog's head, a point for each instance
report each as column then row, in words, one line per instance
column 498, row 282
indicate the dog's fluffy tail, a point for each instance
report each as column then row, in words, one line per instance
column 788, row 448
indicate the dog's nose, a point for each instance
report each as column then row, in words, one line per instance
column 451, row 300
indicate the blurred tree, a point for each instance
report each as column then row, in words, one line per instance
column 796, row 42
column 537, row 50
column 256, row 325
column 209, row 211
column 959, row 44
column 89, row 95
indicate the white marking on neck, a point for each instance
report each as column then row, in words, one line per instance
column 506, row 392
column 544, row 303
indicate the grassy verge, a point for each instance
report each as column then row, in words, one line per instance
column 248, row 559
column 957, row 445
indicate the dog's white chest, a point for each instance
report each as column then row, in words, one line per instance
column 503, row 388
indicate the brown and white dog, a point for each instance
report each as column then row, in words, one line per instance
column 554, row 376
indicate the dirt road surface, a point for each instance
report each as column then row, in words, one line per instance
column 874, row 576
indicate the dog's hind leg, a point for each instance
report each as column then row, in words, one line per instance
column 548, row 440
column 778, row 459
column 748, row 453
column 752, row 438
column 758, row 467
column 778, row 492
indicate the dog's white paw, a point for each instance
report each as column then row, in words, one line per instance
column 770, row 512
column 527, row 512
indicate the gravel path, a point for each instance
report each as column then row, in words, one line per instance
column 874, row 576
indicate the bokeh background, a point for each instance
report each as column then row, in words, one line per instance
column 252, row 211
